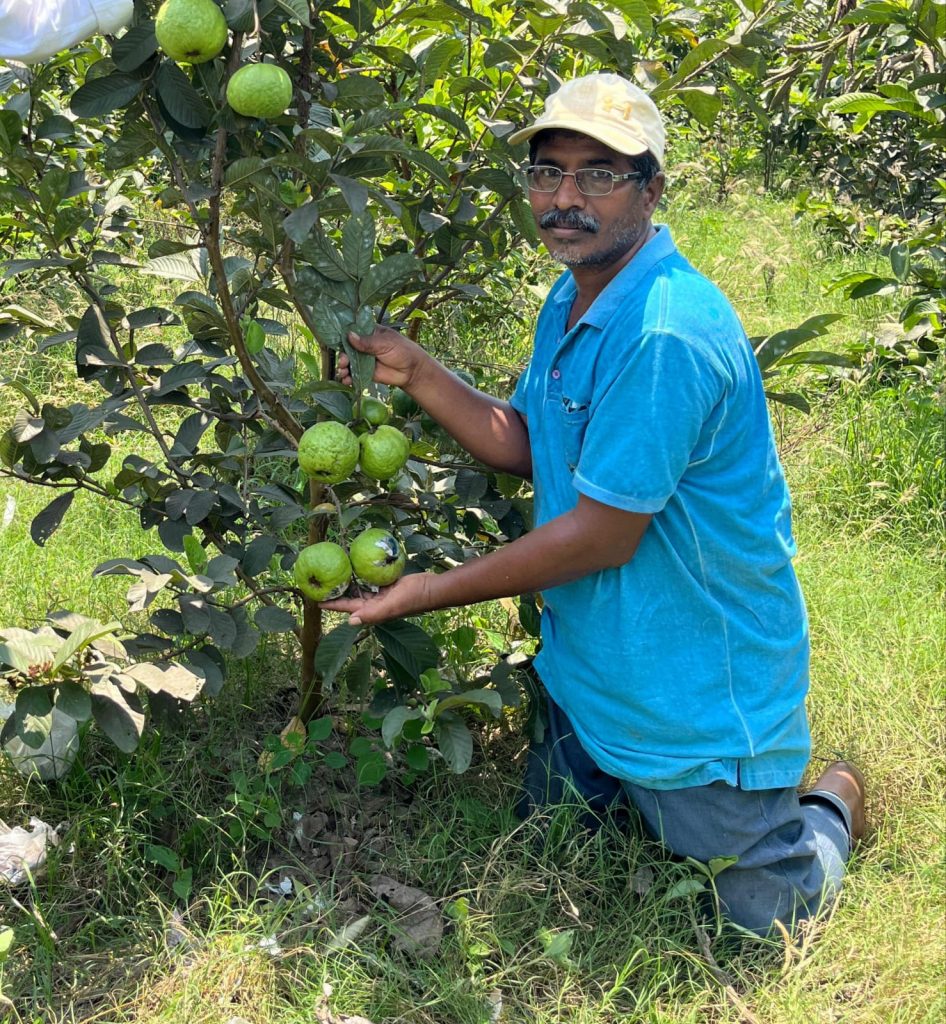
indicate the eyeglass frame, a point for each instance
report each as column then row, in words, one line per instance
column 615, row 178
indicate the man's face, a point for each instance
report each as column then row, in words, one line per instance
column 591, row 231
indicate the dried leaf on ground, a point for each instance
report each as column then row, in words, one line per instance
column 418, row 927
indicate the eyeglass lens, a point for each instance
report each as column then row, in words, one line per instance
column 592, row 181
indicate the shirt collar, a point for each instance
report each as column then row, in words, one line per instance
column 643, row 262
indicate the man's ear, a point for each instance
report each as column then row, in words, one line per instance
column 652, row 192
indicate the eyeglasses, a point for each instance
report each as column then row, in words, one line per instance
column 590, row 181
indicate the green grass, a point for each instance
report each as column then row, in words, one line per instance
column 92, row 936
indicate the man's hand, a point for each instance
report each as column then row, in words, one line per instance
column 398, row 358
column 406, row 597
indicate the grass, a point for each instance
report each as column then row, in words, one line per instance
column 578, row 930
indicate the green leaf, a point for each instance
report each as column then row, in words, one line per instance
column 162, row 856
column 900, row 261
column 792, row 399
column 195, row 552
column 247, row 168
column 455, row 742
column 52, row 188
column 45, row 524
column 439, row 56
column 685, row 888
column 272, row 619
column 182, row 101
column 255, row 337
column 717, row 864
column 386, row 278
column 361, row 365
column 11, row 128
column 73, row 700
column 703, row 101
column 371, row 768
column 700, row 56
column 333, row 651
column 7, row 935
column 557, row 945
column 81, row 637
column 118, row 714
column 320, row 729
column 299, row 224
column 34, row 708
column 358, row 236
column 103, row 95
column 772, row 348
column 408, row 645
column 489, row 699
column 182, row 885
column 335, row 759
column 636, row 12
column 417, row 757
column 394, row 721
column 297, row 9
column 182, row 266
column 135, row 47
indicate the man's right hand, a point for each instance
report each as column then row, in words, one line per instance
column 398, row 358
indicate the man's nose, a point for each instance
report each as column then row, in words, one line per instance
column 567, row 195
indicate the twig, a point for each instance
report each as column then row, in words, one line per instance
column 720, row 976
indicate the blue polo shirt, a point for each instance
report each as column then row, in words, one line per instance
column 688, row 664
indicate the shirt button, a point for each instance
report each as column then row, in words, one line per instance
column 556, row 374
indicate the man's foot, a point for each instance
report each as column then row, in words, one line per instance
column 845, row 781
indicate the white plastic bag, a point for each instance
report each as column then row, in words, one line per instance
column 33, row 30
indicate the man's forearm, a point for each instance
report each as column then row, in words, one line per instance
column 488, row 428
column 563, row 550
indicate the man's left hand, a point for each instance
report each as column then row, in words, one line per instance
column 406, row 597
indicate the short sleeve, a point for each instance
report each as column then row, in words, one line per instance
column 642, row 432
column 519, row 400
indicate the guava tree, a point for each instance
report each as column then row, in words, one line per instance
column 366, row 180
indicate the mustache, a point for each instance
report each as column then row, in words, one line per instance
column 574, row 219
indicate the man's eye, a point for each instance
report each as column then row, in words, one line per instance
column 597, row 174
column 546, row 173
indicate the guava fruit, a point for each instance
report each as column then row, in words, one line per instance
column 193, row 31
column 260, row 90
column 377, row 557
column 383, row 452
column 402, row 403
column 328, row 452
column 322, row 569
column 374, row 411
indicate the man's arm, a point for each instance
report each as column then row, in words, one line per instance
column 488, row 428
column 589, row 538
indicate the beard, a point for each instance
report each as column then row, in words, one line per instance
column 624, row 233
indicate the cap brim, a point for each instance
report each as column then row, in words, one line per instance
column 618, row 142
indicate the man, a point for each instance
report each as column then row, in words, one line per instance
column 675, row 642
column 33, row 30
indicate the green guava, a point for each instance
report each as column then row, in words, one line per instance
column 328, row 452
column 466, row 377
column 193, row 31
column 377, row 557
column 374, row 411
column 383, row 452
column 321, row 569
column 260, row 90
column 402, row 403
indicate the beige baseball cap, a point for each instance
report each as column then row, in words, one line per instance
column 605, row 107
